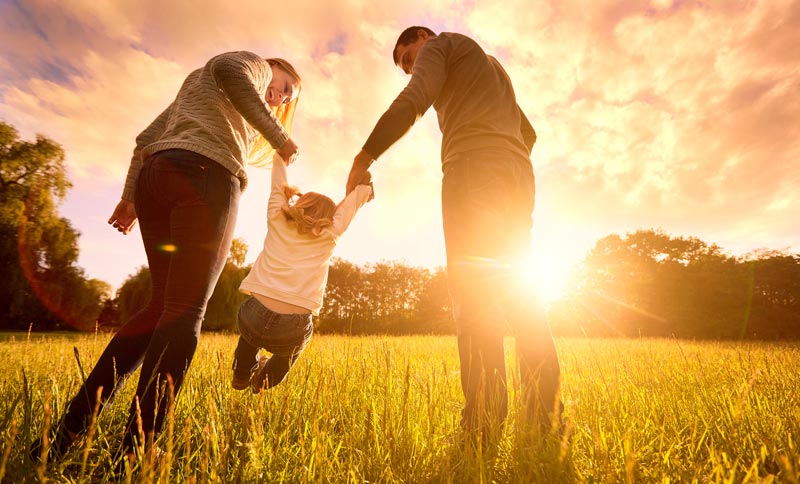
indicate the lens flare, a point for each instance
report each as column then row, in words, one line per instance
column 31, row 261
column 167, row 247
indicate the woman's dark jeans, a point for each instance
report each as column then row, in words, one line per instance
column 186, row 205
column 283, row 335
column 487, row 212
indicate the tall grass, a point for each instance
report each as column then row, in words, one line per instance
column 386, row 409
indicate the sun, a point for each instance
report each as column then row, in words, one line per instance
column 548, row 274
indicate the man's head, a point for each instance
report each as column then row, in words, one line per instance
column 408, row 45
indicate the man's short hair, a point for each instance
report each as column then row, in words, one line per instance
column 408, row 36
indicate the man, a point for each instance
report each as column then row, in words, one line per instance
column 487, row 206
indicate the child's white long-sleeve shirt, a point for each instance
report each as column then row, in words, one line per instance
column 291, row 267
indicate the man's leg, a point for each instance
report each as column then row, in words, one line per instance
column 481, row 352
column 538, row 361
column 474, row 220
column 535, row 346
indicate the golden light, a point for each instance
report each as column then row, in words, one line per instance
column 548, row 274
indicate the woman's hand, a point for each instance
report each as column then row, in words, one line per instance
column 124, row 217
column 288, row 151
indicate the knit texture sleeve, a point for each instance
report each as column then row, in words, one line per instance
column 149, row 135
column 528, row 133
column 430, row 73
column 237, row 74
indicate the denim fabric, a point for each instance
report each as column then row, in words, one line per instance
column 283, row 335
column 186, row 205
column 487, row 208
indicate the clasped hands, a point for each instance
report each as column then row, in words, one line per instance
column 359, row 173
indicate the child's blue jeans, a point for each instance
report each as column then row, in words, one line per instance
column 283, row 335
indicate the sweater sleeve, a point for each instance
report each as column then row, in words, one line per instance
column 430, row 73
column 528, row 133
column 151, row 134
column 348, row 207
column 236, row 74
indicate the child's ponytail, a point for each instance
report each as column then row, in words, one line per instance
column 312, row 212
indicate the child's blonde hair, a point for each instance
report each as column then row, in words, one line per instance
column 312, row 212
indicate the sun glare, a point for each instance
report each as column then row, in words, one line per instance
column 549, row 275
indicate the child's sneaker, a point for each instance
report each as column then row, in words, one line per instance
column 239, row 382
column 259, row 379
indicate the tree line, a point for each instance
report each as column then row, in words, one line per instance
column 648, row 283
column 644, row 283
column 381, row 298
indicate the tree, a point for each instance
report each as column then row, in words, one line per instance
column 344, row 304
column 238, row 252
column 133, row 294
column 42, row 286
column 648, row 283
column 387, row 297
column 109, row 315
column 394, row 290
column 434, row 312
column 774, row 294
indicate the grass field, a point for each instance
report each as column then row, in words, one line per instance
column 386, row 409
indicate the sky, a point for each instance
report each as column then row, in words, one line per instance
column 681, row 116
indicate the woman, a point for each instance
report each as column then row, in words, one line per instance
column 183, row 185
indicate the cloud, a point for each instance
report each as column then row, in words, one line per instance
column 673, row 114
column 668, row 112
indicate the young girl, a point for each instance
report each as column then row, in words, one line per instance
column 287, row 281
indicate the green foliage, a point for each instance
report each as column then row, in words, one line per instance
column 386, row 409
column 238, row 252
column 223, row 306
column 650, row 284
column 42, row 285
column 385, row 298
column 133, row 294
column 33, row 178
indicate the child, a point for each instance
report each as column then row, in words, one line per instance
column 288, row 278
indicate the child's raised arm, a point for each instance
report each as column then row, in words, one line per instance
column 351, row 204
column 277, row 196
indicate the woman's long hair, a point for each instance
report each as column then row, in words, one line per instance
column 261, row 151
column 311, row 212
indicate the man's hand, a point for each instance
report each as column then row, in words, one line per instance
column 367, row 180
column 358, row 171
column 288, row 151
column 124, row 217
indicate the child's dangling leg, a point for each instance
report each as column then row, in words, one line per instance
column 245, row 362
